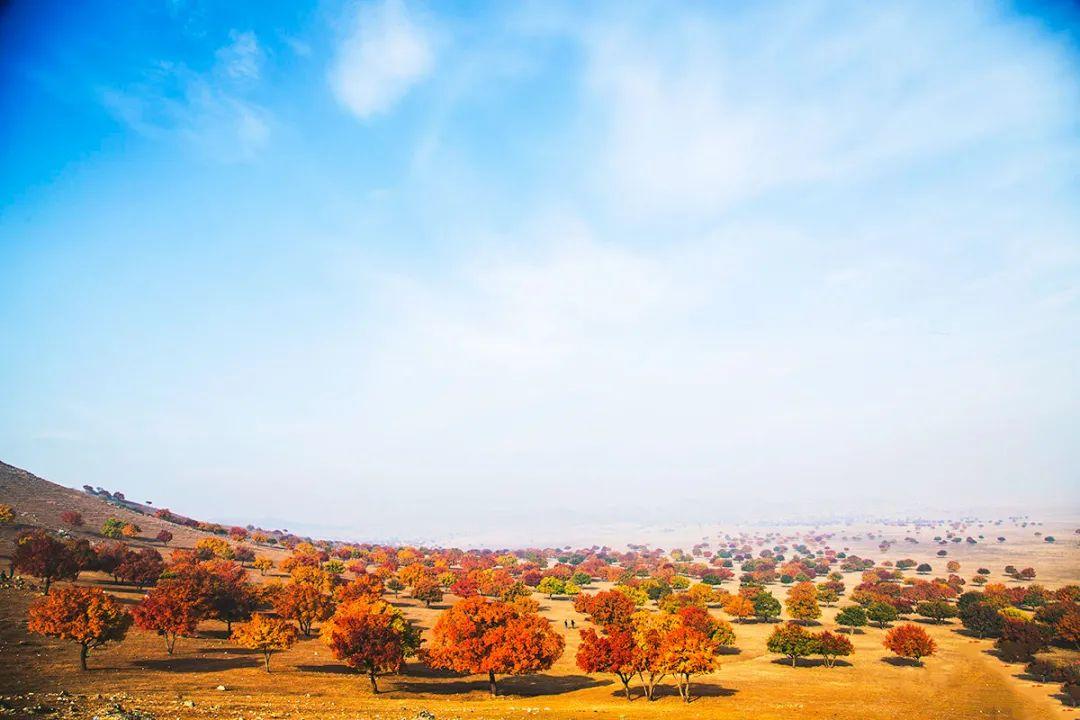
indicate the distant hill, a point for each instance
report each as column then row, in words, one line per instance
column 39, row 503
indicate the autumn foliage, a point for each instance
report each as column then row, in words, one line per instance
column 304, row 603
column 172, row 610
column 71, row 518
column 611, row 652
column 371, row 636
column 910, row 641
column 39, row 554
column 478, row 635
column 266, row 634
column 84, row 615
column 607, row 609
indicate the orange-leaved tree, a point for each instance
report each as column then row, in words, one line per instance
column 649, row 630
column 267, row 634
column 172, row 609
column 739, row 607
column 910, row 641
column 262, row 564
column 608, row 608
column 612, row 652
column 371, row 636
column 85, row 615
column 478, row 635
column 802, row 601
column 427, row 590
column 304, row 603
column 693, row 646
column 366, row 586
column 210, row 547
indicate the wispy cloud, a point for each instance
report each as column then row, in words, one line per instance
column 210, row 110
column 242, row 58
column 385, row 54
column 699, row 112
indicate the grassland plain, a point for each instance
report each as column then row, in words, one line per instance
column 964, row 679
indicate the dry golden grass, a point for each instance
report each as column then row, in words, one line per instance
column 964, row 680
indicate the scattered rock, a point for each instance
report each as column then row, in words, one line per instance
column 117, row 712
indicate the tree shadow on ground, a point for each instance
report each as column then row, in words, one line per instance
column 231, row 651
column 331, row 668
column 422, row 670
column 196, row 664
column 969, row 634
column 729, row 650
column 901, row 662
column 696, row 691
column 799, row 662
column 520, row 686
column 215, row 634
column 1066, row 699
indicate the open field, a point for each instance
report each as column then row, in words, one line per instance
column 964, row 679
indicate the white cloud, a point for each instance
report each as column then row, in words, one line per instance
column 210, row 110
column 387, row 53
column 242, row 58
column 699, row 113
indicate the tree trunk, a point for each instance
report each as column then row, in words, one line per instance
column 48, row 582
column 83, row 649
column 625, row 685
column 266, row 659
column 170, row 643
column 374, row 685
column 793, row 659
column 686, row 688
column 491, row 683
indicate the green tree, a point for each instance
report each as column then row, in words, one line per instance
column 937, row 610
column 766, row 607
column 851, row 617
column 551, row 585
column 793, row 641
column 982, row 619
column 881, row 613
column 113, row 528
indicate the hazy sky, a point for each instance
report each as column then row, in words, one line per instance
column 407, row 269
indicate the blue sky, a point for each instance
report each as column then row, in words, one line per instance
column 393, row 268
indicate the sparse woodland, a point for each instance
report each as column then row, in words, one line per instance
column 645, row 618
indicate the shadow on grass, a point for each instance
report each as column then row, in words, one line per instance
column 1066, row 699
column 231, row 651
column 196, row 664
column 422, row 670
column 520, row 686
column 696, row 692
column 901, row 662
column 330, row 668
column 969, row 634
column 809, row 663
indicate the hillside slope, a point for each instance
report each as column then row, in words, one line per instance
column 39, row 503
